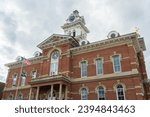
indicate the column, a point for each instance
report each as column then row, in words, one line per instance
column 60, row 91
column 30, row 93
column 37, row 92
column 52, row 92
column 66, row 92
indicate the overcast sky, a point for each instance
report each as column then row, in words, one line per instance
column 26, row 23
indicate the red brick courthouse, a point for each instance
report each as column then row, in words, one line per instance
column 71, row 68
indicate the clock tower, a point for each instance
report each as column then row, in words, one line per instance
column 75, row 26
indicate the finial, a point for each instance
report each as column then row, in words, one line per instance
column 136, row 29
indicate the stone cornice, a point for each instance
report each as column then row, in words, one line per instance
column 79, row 21
column 45, row 79
column 107, row 43
column 17, row 64
column 112, row 76
column 62, row 39
column 14, row 88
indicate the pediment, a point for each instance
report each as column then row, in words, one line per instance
column 52, row 39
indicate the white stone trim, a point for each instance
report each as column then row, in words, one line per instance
column 81, row 68
column 14, row 88
column 52, row 50
column 102, row 58
column 108, row 76
column 120, row 58
column 86, row 89
column 124, row 89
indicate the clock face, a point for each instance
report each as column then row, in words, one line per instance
column 71, row 18
column 55, row 55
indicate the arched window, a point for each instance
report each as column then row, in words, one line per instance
column 10, row 97
column 14, row 80
column 120, row 92
column 84, row 94
column 20, row 97
column 101, row 93
column 54, row 63
column 23, row 78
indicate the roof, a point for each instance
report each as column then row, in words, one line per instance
column 56, row 39
column 131, row 38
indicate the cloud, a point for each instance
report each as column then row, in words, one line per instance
column 25, row 23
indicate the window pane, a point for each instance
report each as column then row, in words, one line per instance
column 34, row 74
column 23, row 78
column 120, row 92
column 54, row 63
column 20, row 97
column 84, row 94
column 116, row 63
column 10, row 97
column 99, row 66
column 14, row 80
column 83, row 69
column 54, row 68
column 101, row 93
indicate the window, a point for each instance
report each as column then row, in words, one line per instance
column 20, row 97
column 33, row 74
column 74, row 33
column 83, row 69
column 14, row 80
column 101, row 93
column 120, row 92
column 10, row 97
column 23, row 78
column 116, row 63
column 84, row 94
column 54, row 63
column 99, row 66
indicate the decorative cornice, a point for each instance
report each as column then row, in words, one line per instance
column 107, row 43
column 62, row 39
column 77, row 22
column 112, row 76
column 14, row 88
column 17, row 64
column 53, row 78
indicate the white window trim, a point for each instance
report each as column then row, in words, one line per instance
column 13, row 80
column 98, row 92
column 21, row 96
column 119, row 63
column 25, row 79
column 9, row 97
column 81, row 93
column 123, row 91
column 32, row 74
column 102, row 66
column 52, row 61
column 81, row 68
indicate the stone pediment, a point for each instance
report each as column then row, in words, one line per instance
column 53, row 39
